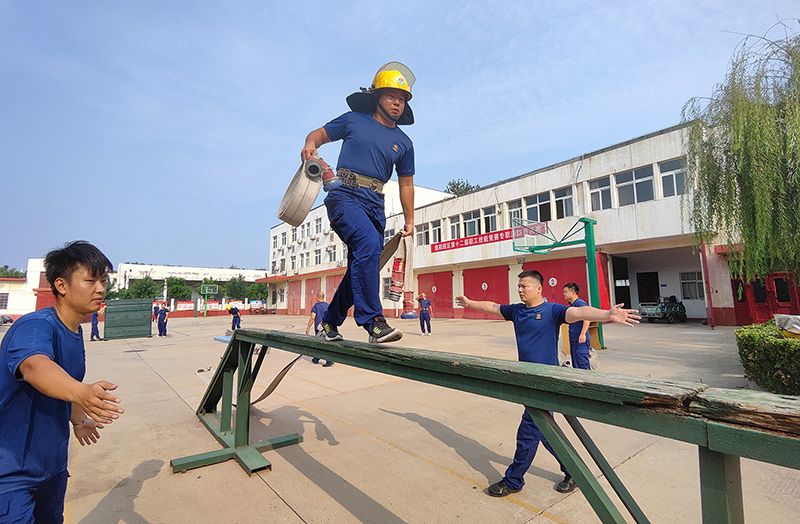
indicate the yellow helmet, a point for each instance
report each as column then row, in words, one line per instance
column 392, row 75
column 391, row 79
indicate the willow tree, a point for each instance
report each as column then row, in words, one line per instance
column 744, row 156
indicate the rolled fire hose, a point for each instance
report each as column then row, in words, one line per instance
column 302, row 191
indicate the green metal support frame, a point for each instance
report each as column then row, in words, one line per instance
column 724, row 424
column 238, row 360
column 586, row 225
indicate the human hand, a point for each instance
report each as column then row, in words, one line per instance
column 462, row 301
column 408, row 230
column 97, row 403
column 86, row 431
column 582, row 338
column 309, row 150
column 626, row 317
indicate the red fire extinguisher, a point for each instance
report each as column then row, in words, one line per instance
column 398, row 276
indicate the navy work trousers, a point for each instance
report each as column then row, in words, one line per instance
column 360, row 224
column 579, row 353
column 424, row 320
column 528, row 437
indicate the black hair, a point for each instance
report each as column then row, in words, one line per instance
column 573, row 286
column 61, row 263
column 532, row 273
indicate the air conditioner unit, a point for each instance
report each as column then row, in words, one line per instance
column 340, row 263
column 326, row 231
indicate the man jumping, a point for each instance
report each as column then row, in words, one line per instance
column 373, row 145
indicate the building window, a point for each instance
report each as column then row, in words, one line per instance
column 387, row 282
column 318, row 226
column 3, row 300
column 781, row 291
column 275, row 242
column 600, row 193
column 472, row 223
column 635, row 186
column 455, row 229
column 293, row 264
column 692, row 285
column 515, row 212
column 673, row 177
column 317, row 257
column 283, row 238
column 436, row 231
column 537, row 207
column 282, row 294
column 294, row 234
column 563, row 199
column 274, row 266
column 388, row 234
column 344, row 251
column 423, row 235
column 283, row 265
column 489, row 219
column 332, row 254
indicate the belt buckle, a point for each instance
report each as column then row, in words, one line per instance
column 374, row 185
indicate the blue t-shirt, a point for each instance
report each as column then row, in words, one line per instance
column 425, row 306
column 536, row 329
column 575, row 327
column 370, row 148
column 234, row 311
column 319, row 309
column 162, row 314
column 34, row 428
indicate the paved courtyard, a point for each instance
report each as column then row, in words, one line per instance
column 383, row 449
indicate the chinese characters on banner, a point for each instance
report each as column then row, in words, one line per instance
column 476, row 240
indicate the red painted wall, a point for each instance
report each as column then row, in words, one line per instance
column 442, row 298
column 573, row 269
column 293, row 298
column 312, row 288
column 496, row 280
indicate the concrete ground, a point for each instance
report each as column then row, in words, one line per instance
column 382, row 449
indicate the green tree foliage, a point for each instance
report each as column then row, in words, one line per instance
column 144, row 288
column 258, row 291
column 178, row 289
column 459, row 187
column 744, row 157
column 236, row 287
column 10, row 272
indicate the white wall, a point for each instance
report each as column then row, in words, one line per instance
column 21, row 297
column 669, row 263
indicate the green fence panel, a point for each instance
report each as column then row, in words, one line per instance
column 130, row 318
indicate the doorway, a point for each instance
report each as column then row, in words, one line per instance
column 648, row 286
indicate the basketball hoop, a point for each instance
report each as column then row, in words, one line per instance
column 521, row 258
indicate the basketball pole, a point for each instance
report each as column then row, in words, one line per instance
column 591, row 262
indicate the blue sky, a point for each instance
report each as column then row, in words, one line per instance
column 166, row 132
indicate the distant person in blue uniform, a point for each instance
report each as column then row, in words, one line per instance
column 42, row 365
column 373, row 146
column 536, row 327
column 579, row 338
column 163, row 315
column 236, row 318
column 425, row 309
column 95, row 335
column 155, row 312
column 318, row 312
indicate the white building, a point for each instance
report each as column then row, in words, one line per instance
column 127, row 272
column 19, row 295
column 645, row 246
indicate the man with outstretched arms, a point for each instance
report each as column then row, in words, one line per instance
column 536, row 327
column 42, row 364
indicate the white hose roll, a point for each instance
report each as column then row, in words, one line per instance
column 301, row 193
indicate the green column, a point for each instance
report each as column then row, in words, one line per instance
column 591, row 262
column 720, row 488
